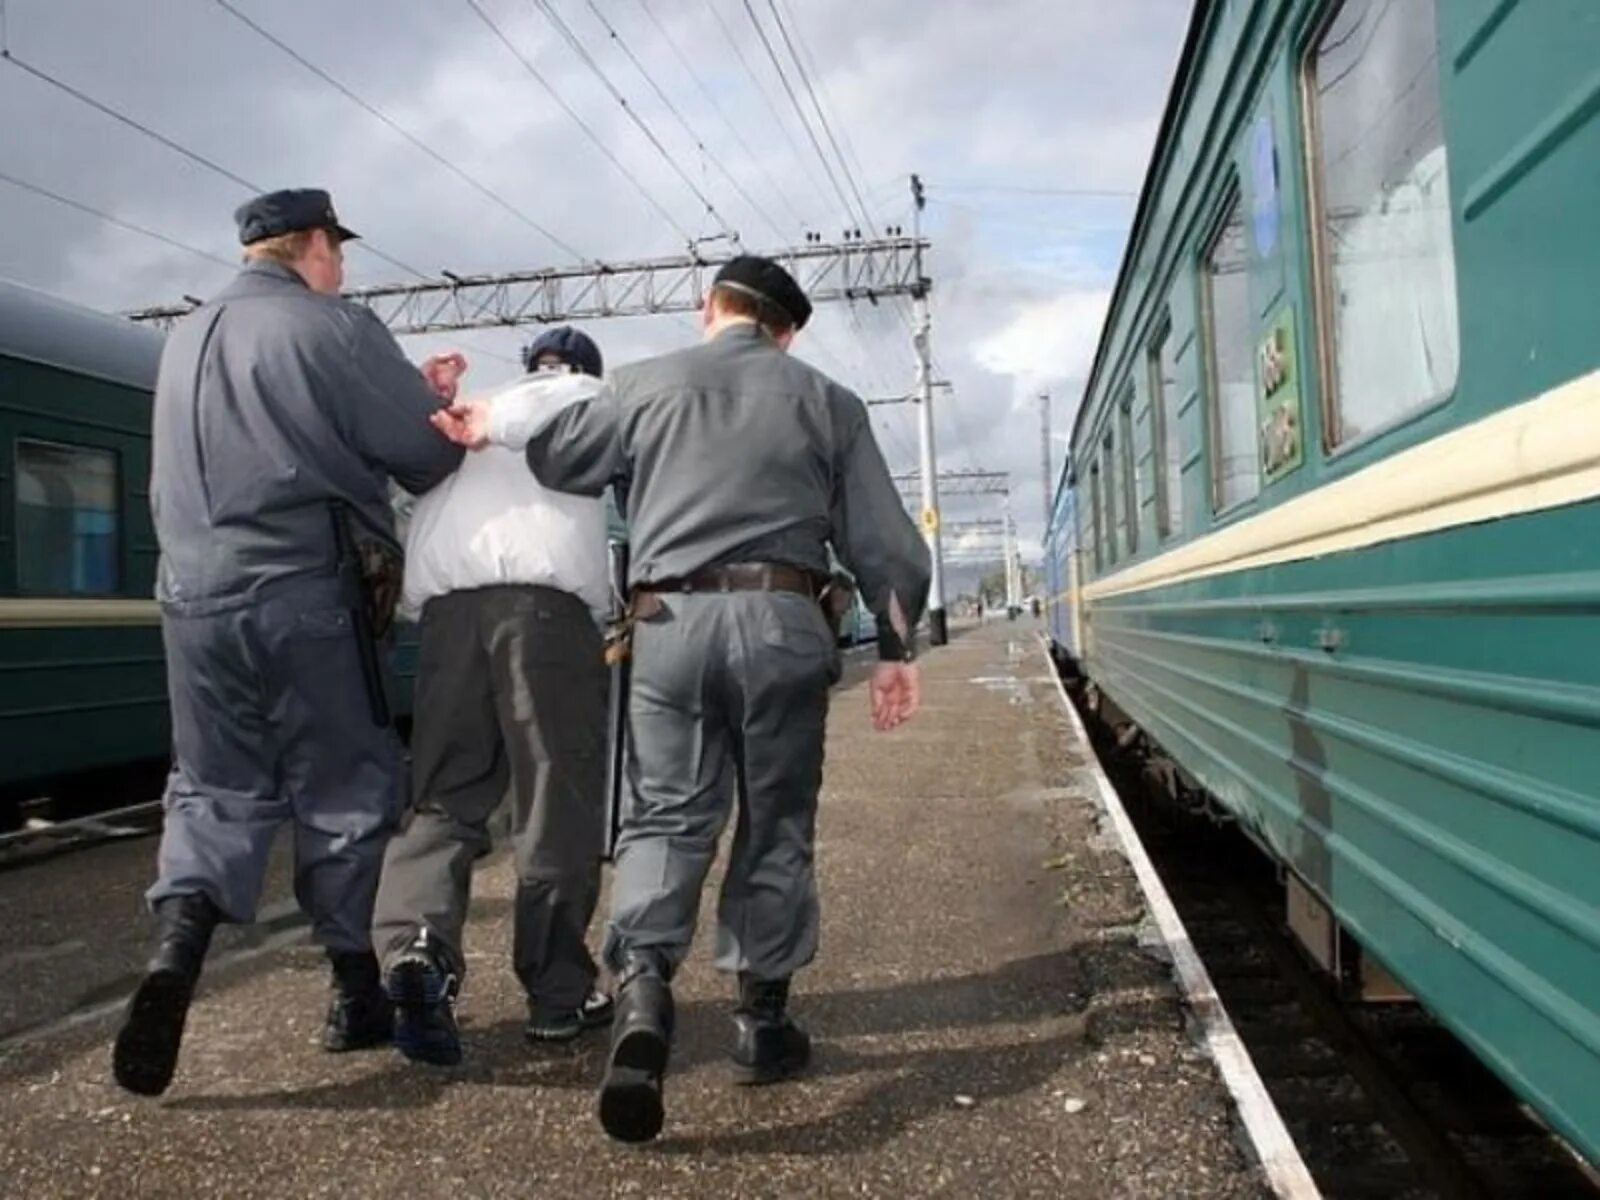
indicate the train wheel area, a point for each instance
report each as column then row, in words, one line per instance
column 991, row 1016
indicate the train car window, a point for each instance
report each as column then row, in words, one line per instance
column 67, row 527
column 1381, row 197
column 1235, row 471
column 1164, row 431
column 1130, row 472
column 1095, row 533
column 1114, row 542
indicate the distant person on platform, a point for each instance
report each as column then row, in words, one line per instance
column 510, row 703
column 281, row 414
column 739, row 464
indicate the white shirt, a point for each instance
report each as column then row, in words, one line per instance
column 493, row 523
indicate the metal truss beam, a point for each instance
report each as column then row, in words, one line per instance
column 961, row 483
column 828, row 271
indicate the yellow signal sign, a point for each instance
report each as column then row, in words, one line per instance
column 930, row 520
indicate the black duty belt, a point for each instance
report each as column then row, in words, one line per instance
column 741, row 577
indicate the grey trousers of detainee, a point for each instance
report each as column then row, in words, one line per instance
column 271, row 725
column 510, row 702
column 729, row 701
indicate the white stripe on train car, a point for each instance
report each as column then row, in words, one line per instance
column 36, row 612
column 1542, row 453
column 1285, row 1170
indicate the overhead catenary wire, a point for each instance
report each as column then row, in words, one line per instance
column 794, row 100
column 176, row 147
column 777, row 120
column 751, row 156
column 45, row 192
column 816, row 71
column 639, row 122
column 805, row 78
column 455, row 169
column 683, row 122
column 650, row 197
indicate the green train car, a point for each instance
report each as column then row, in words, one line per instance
column 1337, row 493
column 82, row 680
column 82, row 677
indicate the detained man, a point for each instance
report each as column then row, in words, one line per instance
column 510, row 580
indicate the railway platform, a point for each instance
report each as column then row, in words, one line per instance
column 994, row 1007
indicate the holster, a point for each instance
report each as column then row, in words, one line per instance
column 836, row 597
column 382, row 575
column 641, row 606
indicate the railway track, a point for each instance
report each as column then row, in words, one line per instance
column 42, row 837
column 1381, row 1100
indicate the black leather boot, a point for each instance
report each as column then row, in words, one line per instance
column 641, row 1039
column 359, row 1015
column 769, row 1045
column 146, row 1050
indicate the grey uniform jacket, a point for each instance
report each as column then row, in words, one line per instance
column 271, row 401
column 733, row 451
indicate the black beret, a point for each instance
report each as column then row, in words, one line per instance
column 765, row 279
column 287, row 211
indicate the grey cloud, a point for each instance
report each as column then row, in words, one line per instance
column 1031, row 91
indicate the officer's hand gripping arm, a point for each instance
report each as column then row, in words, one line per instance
column 389, row 403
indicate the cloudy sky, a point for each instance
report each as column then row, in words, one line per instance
column 1031, row 122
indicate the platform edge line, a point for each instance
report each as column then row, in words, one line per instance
column 105, row 1008
column 1280, row 1159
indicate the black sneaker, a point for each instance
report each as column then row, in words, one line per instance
column 545, row 1025
column 423, row 992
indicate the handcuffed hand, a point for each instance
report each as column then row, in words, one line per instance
column 466, row 423
column 896, row 691
column 443, row 372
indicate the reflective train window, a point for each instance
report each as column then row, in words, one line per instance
column 1168, row 446
column 1130, row 471
column 1381, row 200
column 1095, row 533
column 66, row 520
column 1114, row 544
column 1235, row 470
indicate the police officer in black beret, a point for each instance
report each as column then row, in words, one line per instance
column 739, row 464
column 281, row 414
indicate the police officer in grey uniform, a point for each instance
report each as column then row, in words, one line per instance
column 739, row 465
column 281, row 412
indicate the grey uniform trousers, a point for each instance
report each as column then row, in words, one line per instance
column 271, row 724
column 510, row 700
column 729, row 699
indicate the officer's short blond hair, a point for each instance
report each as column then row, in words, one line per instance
column 740, row 303
column 285, row 247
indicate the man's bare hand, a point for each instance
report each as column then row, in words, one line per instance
column 465, row 423
column 443, row 372
column 896, row 691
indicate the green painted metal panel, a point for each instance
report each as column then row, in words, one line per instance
column 1415, row 728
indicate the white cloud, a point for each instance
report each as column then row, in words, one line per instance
column 1046, row 341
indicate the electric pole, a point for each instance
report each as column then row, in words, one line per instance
column 938, row 630
column 1045, row 481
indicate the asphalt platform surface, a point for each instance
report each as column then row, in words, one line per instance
column 988, row 1018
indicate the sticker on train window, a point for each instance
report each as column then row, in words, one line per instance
column 1278, row 398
